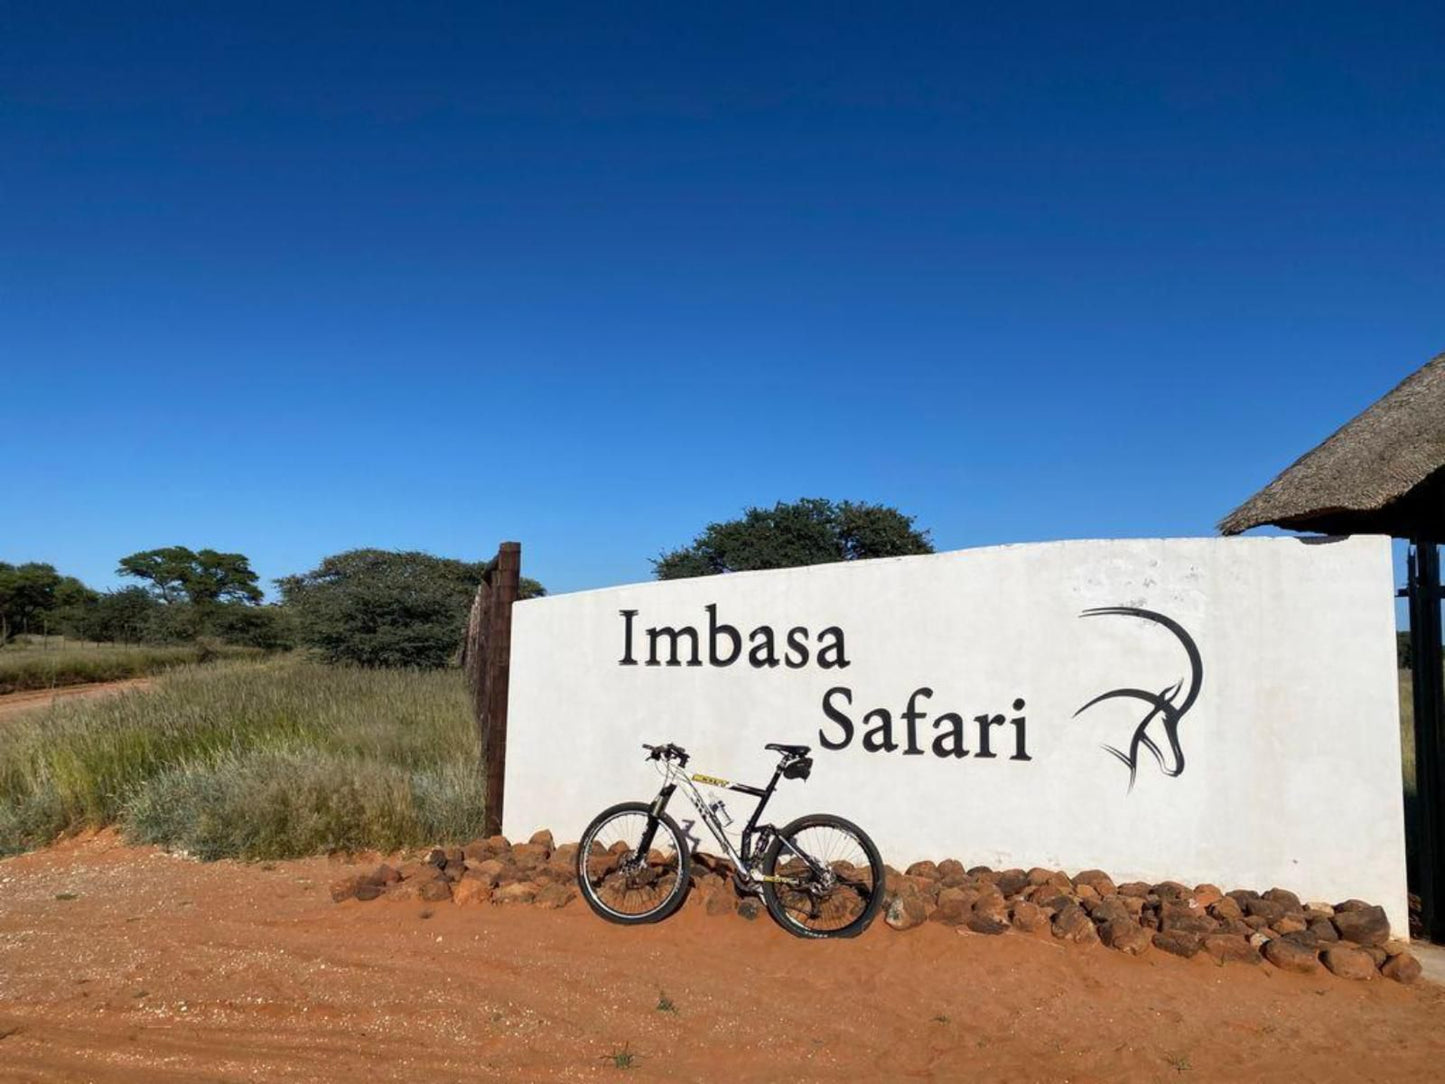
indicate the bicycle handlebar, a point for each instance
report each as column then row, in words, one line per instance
column 667, row 752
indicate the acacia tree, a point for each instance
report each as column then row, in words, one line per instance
column 201, row 578
column 811, row 531
column 374, row 607
column 26, row 593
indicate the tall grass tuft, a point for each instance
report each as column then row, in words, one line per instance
column 25, row 667
column 257, row 760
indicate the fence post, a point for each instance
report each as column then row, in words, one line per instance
column 496, row 596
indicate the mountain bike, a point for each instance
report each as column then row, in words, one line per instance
column 820, row 875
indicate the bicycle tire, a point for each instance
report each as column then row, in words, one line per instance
column 593, row 893
column 779, row 908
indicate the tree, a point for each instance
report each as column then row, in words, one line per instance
column 201, row 578
column 27, row 592
column 385, row 608
column 811, row 531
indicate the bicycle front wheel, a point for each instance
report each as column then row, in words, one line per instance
column 632, row 868
column 826, row 878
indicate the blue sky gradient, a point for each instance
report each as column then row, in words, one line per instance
column 292, row 279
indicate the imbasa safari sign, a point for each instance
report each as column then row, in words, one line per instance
column 1219, row 710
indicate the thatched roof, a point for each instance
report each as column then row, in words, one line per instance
column 1382, row 473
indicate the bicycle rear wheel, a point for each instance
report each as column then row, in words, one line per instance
column 619, row 880
column 831, row 878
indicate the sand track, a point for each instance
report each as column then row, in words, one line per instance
column 12, row 704
column 162, row 969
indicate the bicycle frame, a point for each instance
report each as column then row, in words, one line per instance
column 743, row 858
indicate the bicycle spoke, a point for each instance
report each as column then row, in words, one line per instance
column 622, row 881
column 808, row 860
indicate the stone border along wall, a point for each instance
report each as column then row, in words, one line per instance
column 1351, row 939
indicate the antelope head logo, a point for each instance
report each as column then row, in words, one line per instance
column 1166, row 707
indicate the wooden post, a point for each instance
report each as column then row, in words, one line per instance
column 474, row 662
column 1429, row 701
column 504, row 579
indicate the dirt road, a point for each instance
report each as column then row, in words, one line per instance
column 124, row 964
column 12, row 704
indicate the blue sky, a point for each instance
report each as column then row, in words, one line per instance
column 290, row 279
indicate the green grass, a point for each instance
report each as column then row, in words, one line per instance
column 53, row 663
column 1407, row 732
column 272, row 759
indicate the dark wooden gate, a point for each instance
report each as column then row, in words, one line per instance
column 1426, row 820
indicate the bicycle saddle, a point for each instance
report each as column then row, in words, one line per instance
column 789, row 750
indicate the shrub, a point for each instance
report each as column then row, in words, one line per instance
column 385, row 608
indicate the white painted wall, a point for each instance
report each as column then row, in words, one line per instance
column 1292, row 756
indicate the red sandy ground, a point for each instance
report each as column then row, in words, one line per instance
column 163, row 969
column 13, row 704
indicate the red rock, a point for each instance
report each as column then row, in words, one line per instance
column 955, row 906
column 1285, row 896
column 749, row 908
column 1289, row 956
column 1134, row 888
column 951, row 867
column 564, row 858
column 1072, row 924
column 598, row 865
column 1226, row 908
column 1098, row 880
column 1402, row 968
column 368, row 890
column 529, row 856
column 1230, row 949
column 1052, row 900
column 1113, row 909
column 490, row 869
column 1126, row 936
column 1171, row 890
column 1363, row 925
column 1011, row 881
column 556, row 895
column 517, row 892
column 477, row 849
column 544, row 840
column 471, row 889
column 1206, row 895
column 1353, row 905
column 1178, row 942
column 986, row 923
column 421, row 888
column 1269, row 910
column 923, row 869
column 1026, row 916
column 1181, row 918
column 1349, row 962
column 905, row 912
column 384, row 875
